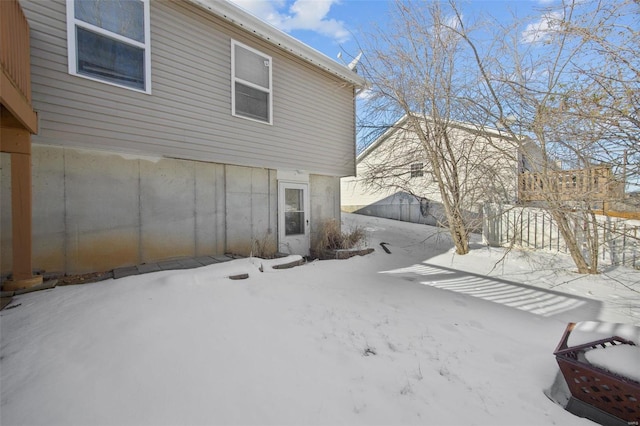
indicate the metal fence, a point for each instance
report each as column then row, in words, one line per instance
column 529, row 227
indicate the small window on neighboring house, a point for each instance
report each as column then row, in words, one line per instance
column 251, row 83
column 416, row 170
column 108, row 41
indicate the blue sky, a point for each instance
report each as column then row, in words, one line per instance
column 332, row 26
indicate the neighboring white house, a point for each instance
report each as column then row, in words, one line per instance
column 177, row 128
column 394, row 180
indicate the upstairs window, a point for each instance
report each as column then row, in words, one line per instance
column 108, row 41
column 251, row 83
column 417, row 170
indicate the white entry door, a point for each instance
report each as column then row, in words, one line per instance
column 293, row 218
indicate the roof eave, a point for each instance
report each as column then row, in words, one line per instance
column 461, row 125
column 239, row 17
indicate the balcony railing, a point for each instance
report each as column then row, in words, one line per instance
column 14, row 46
column 592, row 184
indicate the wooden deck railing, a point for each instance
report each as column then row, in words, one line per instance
column 14, row 46
column 592, row 184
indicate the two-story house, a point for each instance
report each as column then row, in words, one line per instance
column 177, row 128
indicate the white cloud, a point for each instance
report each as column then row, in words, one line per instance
column 539, row 31
column 266, row 10
column 300, row 15
column 452, row 21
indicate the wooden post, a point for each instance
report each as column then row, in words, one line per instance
column 17, row 141
column 21, row 216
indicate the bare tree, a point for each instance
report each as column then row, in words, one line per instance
column 564, row 90
column 607, row 99
column 570, row 81
column 418, row 71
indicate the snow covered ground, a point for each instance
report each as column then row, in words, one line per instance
column 418, row 336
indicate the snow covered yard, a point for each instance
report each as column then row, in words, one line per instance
column 418, row 336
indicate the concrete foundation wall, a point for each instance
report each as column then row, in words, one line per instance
column 325, row 201
column 251, row 210
column 94, row 211
column 401, row 206
column 408, row 208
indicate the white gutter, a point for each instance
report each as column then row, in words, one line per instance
column 239, row 17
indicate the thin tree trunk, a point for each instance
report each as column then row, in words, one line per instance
column 564, row 225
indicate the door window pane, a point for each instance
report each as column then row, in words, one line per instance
column 294, row 223
column 293, row 199
column 294, row 211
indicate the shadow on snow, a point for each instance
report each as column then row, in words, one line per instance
column 535, row 300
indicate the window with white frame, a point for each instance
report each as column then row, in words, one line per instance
column 417, row 170
column 109, row 41
column 251, row 83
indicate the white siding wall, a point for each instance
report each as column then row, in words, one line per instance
column 400, row 150
column 188, row 114
column 355, row 194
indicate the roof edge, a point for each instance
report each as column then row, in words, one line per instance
column 490, row 131
column 236, row 15
column 384, row 136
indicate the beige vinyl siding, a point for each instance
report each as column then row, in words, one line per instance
column 354, row 191
column 188, row 114
column 488, row 171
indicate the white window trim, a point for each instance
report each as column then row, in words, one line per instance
column 72, row 22
column 235, row 43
